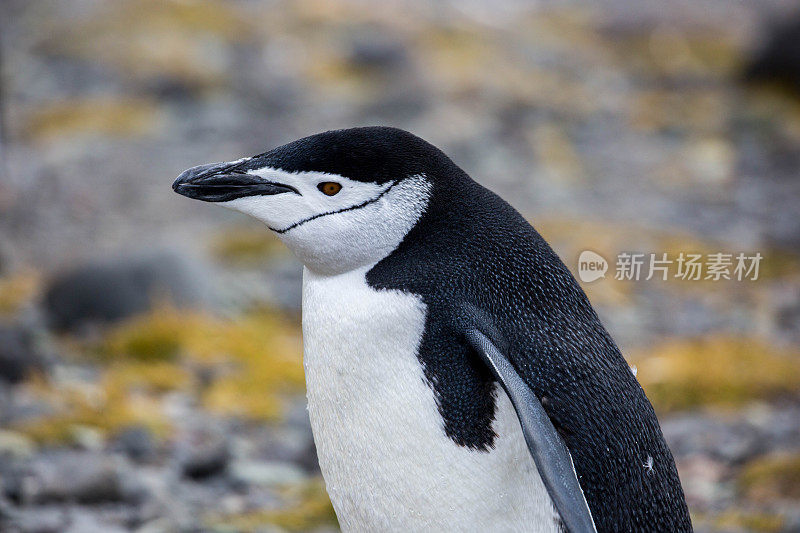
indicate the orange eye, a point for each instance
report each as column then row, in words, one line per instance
column 329, row 187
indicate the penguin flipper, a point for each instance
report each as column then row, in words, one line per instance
column 544, row 443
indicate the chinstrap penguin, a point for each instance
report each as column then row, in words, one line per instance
column 458, row 378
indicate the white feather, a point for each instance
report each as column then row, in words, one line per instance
column 386, row 460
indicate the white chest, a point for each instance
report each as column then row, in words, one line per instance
column 386, row 460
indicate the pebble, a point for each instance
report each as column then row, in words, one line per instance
column 137, row 442
column 203, row 455
column 19, row 357
column 73, row 476
column 106, row 291
column 266, row 473
column 15, row 444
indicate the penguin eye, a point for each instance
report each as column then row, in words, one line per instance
column 329, row 187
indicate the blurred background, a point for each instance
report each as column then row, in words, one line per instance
column 150, row 353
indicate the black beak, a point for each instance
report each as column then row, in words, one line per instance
column 219, row 182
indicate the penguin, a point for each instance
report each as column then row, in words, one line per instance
column 458, row 379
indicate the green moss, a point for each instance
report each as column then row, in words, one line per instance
column 246, row 245
column 267, row 351
column 154, row 337
column 779, row 263
column 717, row 371
column 307, row 508
column 125, row 396
column 772, row 478
column 143, row 358
column 755, row 521
column 164, row 39
column 666, row 52
column 263, row 353
column 17, row 290
column 105, row 117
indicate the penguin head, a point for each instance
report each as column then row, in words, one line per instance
column 340, row 200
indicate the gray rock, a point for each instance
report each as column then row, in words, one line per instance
column 290, row 444
column 88, row 438
column 82, row 477
column 158, row 525
column 7, row 514
column 265, row 473
column 83, row 520
column 5, row 249
column 374, row 50
column 778, row 427
column 15, row 444
column 778, row 59
column 699, row 434
column 60, row 518
column 40, row 519
column 784, row 312
column 12, row 478
column 108, row 291
column 309, row 459
column 137, row 442
column 19, row 356
column 47, row 519
column 280, row 286
column 203, row 455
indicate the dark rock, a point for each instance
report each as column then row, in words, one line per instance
column 6, row 511
column 778, row 59
column 19, row 357
column 136, row 442
column 5, row 251
column 697, row 434
column 786, row 313
column 374, row 50
column 13, row 477
column 204, row 455
column 292, row 442
column 7, row 514
column 85, row 481
column 81, row 477
column 308, row 459
column 105, row 292
column 167, row 88
column 397, row 104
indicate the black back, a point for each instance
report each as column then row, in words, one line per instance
column 473, row 250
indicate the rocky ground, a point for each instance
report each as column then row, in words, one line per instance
column 150, row 375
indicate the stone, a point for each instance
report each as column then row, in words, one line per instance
column 265, row 473
column 19, row 357
column 15, row 444
column 374, row 50
column 730, row 441
column 778, row 58
column 104, row 292
column 204, row 455
column 83, row 477
column 137, row 442
column 40, row 519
